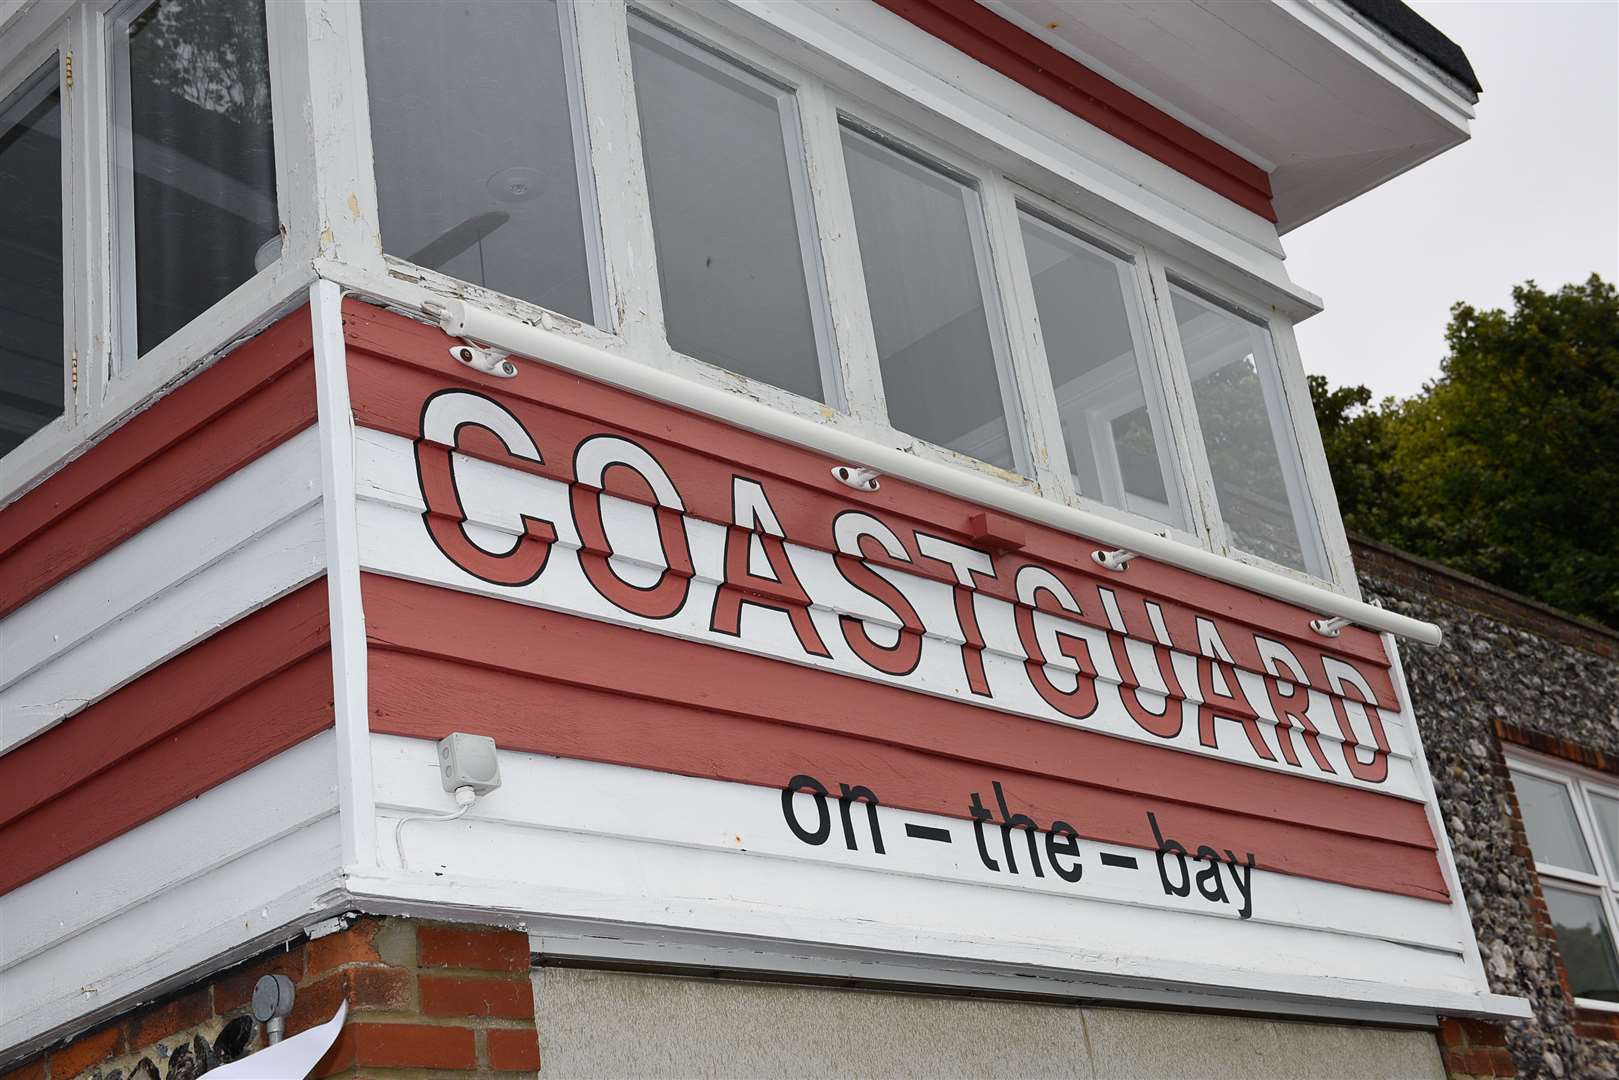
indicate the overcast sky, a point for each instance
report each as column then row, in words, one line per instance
column 1533, row 194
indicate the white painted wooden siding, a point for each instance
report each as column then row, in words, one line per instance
column 253, row 537
column 615, row 852
column 210, row 876
column 393, row 541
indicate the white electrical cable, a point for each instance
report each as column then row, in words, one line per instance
column 464, row 797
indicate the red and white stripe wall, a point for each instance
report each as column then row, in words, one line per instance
column 738, row 703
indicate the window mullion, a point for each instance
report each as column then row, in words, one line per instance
column 290, row 84
column 629, row 255
column 1197, row 477
column 856, row 342
column 337, row 124
column 79, row 264
column 1036, row 397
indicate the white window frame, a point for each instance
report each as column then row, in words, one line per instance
column 767, row 77
column 840, row 64
column 990, row 249
column 601, row 79
column 1323, row 543
column 1167, row 415
column 1580, row 784
column 111, row 386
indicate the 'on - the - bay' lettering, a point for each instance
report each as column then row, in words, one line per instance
column 1055, row 846
column 1169, row 674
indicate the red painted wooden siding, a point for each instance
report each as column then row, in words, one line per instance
column 232, row 701
column 243, row 406
column 560, row 684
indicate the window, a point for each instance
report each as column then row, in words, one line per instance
column 939, row 338
column 1093, row 330
column 194, row 159
column 708, row 197
column 478, row 158
column 1572, row 824
column 1247, row 432
column 32, row 318
column 734, row 230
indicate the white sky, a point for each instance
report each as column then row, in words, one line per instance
column 1533, row 194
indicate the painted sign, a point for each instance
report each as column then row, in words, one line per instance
column 900, row 605
column 736, row 696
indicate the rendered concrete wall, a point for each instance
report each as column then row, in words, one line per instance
column 614, row 1024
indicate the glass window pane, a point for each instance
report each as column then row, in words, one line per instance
column 730, row 213
column 1548, row 818
column 921, row 237
column 1585, row 942
column 1245, row 425
column 31, row 331
column 1090, row 323
column 473, row 138
column 196, row 157
column 1605, row 809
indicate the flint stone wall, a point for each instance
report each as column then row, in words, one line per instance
column 1510, row 671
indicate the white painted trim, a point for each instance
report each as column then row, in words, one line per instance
column 1036, row 29
column 1415, row 75
column 572, row 354
column 1580, row 784
column 350, row 682
column 590, row 943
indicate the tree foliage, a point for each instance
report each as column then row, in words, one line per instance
column 1507, row 465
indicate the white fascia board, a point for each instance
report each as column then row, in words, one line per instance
column 1374, row 47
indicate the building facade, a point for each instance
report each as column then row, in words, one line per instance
column 1519, row 718
column 693, row 537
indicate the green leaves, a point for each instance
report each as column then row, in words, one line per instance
column 1507, row 465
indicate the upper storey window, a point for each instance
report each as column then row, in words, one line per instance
column 1093, row 330
column 476, row 162
column 737, row 251
column 678, row 179
column 143, row 207
column 1247, row 432
column 32, row 391
column 194, row 159
column 940, row 338
column 31, row 280
column 761, row 229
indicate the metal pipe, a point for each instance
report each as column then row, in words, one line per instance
column 584, row 358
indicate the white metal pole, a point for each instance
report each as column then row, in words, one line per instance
column 577, row 355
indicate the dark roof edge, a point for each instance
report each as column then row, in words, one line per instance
column 1417, row 33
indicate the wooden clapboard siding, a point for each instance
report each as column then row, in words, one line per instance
column 188, row 890
column 239, row 698
column 557, row 684
column 252, row 537
column 247, row 403
column 395, row 364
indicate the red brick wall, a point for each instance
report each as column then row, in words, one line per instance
column 1474, row 1050
column 452, row 999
